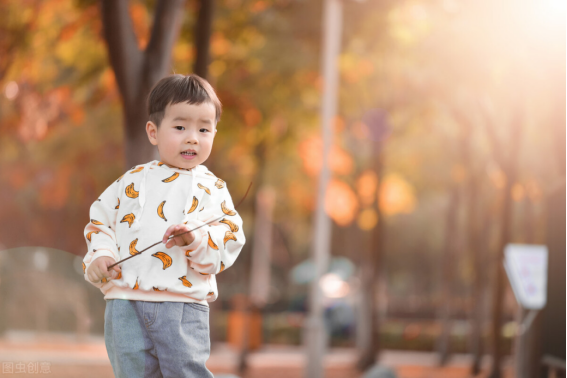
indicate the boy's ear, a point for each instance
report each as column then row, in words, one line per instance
column 151, row 130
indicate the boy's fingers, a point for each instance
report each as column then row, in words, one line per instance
column 188, row 238
column 176, row 240
column 168, row 232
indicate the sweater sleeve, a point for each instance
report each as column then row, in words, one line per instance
column 217, row 245
column 100, row 232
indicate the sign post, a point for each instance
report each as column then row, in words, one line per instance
column 526, row 267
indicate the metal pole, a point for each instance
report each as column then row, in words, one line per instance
column 315, row 335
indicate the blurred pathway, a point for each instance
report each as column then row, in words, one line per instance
column 65, row 357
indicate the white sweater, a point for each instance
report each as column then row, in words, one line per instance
column 134, row 213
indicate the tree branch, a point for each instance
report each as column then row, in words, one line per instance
column 167, row 19
column 125, row 57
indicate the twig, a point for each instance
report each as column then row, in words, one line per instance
column 183, row 233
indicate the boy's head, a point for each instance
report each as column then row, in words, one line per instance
column 183, row 114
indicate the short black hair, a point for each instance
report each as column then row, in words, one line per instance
column 177, row 88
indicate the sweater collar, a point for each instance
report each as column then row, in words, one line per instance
column 199, row 171
column 195, row 171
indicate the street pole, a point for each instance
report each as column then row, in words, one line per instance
column 315, row 335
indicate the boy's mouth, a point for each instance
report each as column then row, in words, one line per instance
column 189, row 154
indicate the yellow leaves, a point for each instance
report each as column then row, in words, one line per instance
column 9, row 151
column 354, row 68
column 408, row 23
column 219, row 45
column 182, row 52
column 367, row 219
column 396, row 195
column 341, row 203
column 217, row 67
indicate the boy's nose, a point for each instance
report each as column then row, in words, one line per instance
column 191, row 138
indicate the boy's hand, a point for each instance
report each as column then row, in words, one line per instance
column 99, row 269
column 180, row 241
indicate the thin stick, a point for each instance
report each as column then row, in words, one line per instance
column 183, row 233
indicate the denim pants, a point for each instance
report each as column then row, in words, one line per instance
column 157, row 339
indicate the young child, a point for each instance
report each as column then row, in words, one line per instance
column 156, row 322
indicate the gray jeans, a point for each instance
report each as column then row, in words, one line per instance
column 157, row 339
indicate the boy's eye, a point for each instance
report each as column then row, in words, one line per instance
column 180, row 128
column 204, row 130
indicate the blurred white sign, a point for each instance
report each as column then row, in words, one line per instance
column 526, row 266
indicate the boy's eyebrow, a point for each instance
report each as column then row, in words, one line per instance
column 205, row 120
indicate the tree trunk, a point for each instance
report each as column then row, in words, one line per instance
column 203, row 29
column 137, row 71
column 371, row 271
column 478, row 257
column 510, row 166
column 447, row 276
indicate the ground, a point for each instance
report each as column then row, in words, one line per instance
column 67, row 357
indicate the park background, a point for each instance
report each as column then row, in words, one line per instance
column 449, row 143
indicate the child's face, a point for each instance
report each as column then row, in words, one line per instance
column 185, row 136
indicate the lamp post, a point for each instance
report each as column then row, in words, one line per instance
column 315, row 335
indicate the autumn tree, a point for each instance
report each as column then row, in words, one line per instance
column 137, row 69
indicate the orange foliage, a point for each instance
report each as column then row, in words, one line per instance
column 366, row 186
column 259, row 6
column 18, row 178
column 396, row 195
column 38, row 111
column 338, row 124
column 219, row 44
column 252, row 117
column 54, row 192
column 360, row 130
column 367, row 219
column 458, row 173
column 311, row 151
column 341, row 203
column 518, row 192
column 300, row 195
column 534, row 191
column 497, row 176
column 140, row 21
column 108, row 80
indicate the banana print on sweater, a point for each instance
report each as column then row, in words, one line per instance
column 158, row 188
column 160, row 211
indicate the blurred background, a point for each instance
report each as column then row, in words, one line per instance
column 447, row 143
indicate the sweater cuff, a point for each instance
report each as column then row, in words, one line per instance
column 96, row 255
column 103, row 252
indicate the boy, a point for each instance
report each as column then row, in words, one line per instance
column 156, row 322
